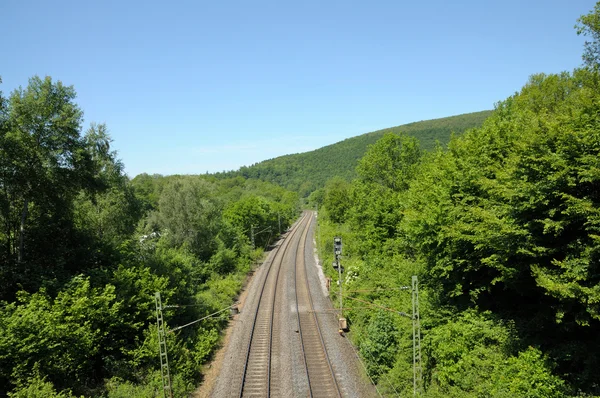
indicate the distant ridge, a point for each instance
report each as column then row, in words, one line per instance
column 305, row 172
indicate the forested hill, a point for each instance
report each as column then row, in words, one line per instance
column 305, row 172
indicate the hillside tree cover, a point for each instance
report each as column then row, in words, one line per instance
column 306, row 172
column 589, row 25
column 502, row 229
column 501, row 223
column 83, row 249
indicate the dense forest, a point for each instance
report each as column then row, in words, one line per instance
column 500, row 222
column 503, row 231
column 306, row 172
column 83, row 250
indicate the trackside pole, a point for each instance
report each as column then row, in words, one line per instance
column 337, row 252
column 340, row 280
column 162, row 347
column 416, row 321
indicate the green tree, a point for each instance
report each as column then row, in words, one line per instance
column 44, row 164
column 105, row 170
column 255, row 217
column 5, row 172
column 44, row 125
column 390, row 162
column 469, row 356
column 384, row 173
column 380, row 345
column 108, row 208
column 148, row 189
column 512, row 215
column 64, row 338
column 589, row 25
column 38, row 387
column 337, row 199
column 190, row 212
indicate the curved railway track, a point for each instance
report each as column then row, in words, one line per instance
column 321, row 377
column 257, row 380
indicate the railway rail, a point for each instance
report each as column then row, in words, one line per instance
column 321, row 376
column 259, row 371
column 256, row 379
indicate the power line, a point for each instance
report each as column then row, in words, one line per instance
column 162, row 338
column 182, row 305
column 373, row 305
column 378, row 290
column 366, row 369
column 382, row 373
column 416, row 326
column 201, row 319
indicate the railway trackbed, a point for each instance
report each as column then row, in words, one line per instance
column 285, row 341
column 321, row 377
column 259, row 378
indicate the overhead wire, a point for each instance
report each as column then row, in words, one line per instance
column 366, row 369
column 203, row 318
column 382, row 373
column 378, row 290
column 373, row 305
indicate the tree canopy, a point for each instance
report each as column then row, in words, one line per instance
column 503, row 230
column 589, row 25
column 83, row 250
column 306, row 172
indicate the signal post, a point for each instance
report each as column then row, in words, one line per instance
column 337, row 253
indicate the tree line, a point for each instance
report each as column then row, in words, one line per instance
column 503, row 230
column 83, row 249
column 306, row 172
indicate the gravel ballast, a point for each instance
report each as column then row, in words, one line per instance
column 288, row 367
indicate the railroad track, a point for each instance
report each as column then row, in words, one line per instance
column 256, row 380
column 263, row 347
column 321, row 377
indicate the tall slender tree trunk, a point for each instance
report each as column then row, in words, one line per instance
column 7, row 226
column 20, row 257
column 8, row 230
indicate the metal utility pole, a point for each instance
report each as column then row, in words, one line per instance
column 162, row 347
column 252, row 236
column 318, row 229
column 340, row 279
column 337, row 252
column 416, row 322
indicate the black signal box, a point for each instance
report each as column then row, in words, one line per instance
column 337, row 246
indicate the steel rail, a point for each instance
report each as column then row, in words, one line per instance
column 300, row 262
column 286, row 243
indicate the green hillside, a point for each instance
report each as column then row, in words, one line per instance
column 305, row 172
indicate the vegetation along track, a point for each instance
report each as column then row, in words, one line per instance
column 321, row 377
column 256, row 379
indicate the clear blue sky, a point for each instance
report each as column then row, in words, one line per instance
column 196, row 86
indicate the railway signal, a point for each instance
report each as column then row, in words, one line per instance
column 337, row 252
column 337, row 247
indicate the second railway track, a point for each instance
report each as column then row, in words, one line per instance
column 263, row 349
column 256, row 379
column 322, row 381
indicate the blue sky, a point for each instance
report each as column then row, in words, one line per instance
column 196, row 86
